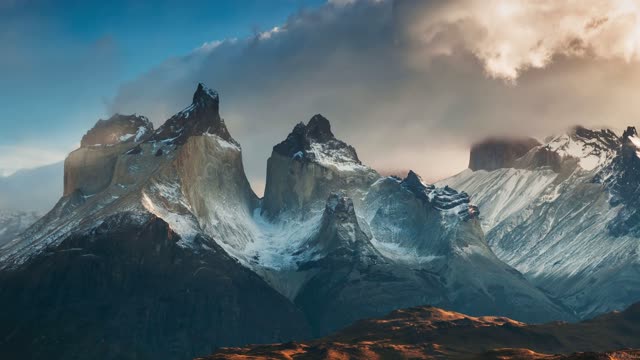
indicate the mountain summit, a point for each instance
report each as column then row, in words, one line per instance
column 201, row 117
column 119, row 128
column 205, row 95
column 137, row 243
column 565, row 214
column 163, row 236
column 309, row 165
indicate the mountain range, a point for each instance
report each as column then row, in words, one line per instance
column 564, row 213
column 159, row 248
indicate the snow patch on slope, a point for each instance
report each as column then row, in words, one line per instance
column 280, row 245
column 223, row 143
column 591, row 153
column 182, row 224
column 501, row 193
column 636, row 142
column 338, row 158
column 402, row 254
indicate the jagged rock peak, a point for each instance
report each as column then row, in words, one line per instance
column 118, row 129
column 631, row 131
column 204, row 94
column 606, row 136
column 445, row 199
column 200, row 118
column 499, row 152
column 630, row 143
column 414, row 182
column 594, row 140
column 592, row 148
column 314, row 142
column 319, row 128
column 622, row 177
column 341, row 231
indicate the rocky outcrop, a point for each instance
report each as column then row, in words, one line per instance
column 496, row 153
column 622, row 177
column 412, row 243
column 443, row 199
column 144, row 241
column 214, row 183
column 570, row 226
column 90, row 168
column 348, row 278
column 409, row 213
column 437, row 231
column 308, row 166
column 118, row 129
column 176, row 244
column 427, row 332
column 580, row 147
column 340, row 233
column 201, row 117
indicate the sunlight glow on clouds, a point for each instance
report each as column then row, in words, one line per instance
column 511, row 36
column 412, row 83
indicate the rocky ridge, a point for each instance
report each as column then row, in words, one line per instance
column 569, row 225
column 428, row 332
column 171, row 220
column 140, row 249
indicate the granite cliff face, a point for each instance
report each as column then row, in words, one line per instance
column 116, row 130
column 308, row 166
column 160, row 232
column 136, row 243
column 570, row 226
column 90, row 168
column 367, row 244
column 201, row 117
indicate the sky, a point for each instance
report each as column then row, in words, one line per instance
column 411, row 84
column 63, row 60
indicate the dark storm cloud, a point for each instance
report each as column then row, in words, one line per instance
column 409, row 83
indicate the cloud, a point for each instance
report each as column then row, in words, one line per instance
column 411, row 83
column 18, row 157
column 510, row 36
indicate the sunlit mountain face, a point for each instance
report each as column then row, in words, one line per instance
column 316, row 179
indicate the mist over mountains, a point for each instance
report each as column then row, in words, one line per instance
column 159, row 230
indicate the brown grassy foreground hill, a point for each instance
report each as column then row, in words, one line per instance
column 432, row 333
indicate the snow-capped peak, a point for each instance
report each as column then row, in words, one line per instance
column 593, row 148
column 118, row 129
column 314, row 142
column 445, row 199
column 201, row 117
column 204, row 93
